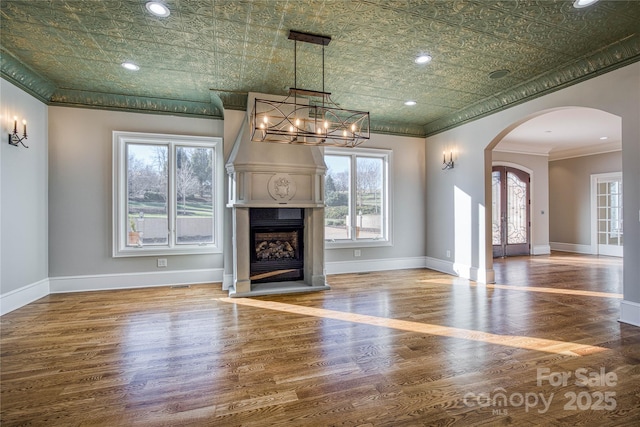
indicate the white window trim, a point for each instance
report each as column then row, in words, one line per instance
column 119, row 194
column 387, row 183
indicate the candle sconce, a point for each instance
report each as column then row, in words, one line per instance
column 447, row 164
column 14, row 137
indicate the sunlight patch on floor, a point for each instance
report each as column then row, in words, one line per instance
column 578, row 292
column 524, row 342
column 606, row 261
column 557, row 291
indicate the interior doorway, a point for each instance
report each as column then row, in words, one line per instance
column 511, row 225
column 606, row 214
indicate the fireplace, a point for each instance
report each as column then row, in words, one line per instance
column 276, row 196
column 277, row 238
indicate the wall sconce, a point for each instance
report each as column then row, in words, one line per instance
column 14, row 137
column 447, row 165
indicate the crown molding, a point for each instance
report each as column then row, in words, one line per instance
column 612, row 57
column 107, row 101
column 25, row 78
column 590, row 150
column 526, row 149
column 400, row 129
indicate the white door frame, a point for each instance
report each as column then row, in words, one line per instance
column 594, row 213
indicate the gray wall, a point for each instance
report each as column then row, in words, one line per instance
column 23, row 192
column 455, row 201
column 80, row 189
column 408, row 208
column 570, row 195
column 80, row 192
column 539, row 167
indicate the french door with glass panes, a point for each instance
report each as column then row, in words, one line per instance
column 606, row 196
column 510, row 211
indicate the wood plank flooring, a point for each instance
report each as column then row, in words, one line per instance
column 398, row 348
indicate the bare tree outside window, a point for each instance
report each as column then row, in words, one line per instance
column 337, row 210
column 147, row 194
column 369, row 189
column 369, row 183
column 194, row 175
column 186, row 180
column 201, row 163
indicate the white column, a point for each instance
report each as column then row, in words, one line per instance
column 241, row 251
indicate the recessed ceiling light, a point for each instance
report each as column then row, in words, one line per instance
column 604, row 137
column 579, row 4
column 158, row 9
column 498, row 74
column 423, row 59
column 130, row 66
column 410, row 103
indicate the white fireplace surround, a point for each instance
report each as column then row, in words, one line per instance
column 270, row 175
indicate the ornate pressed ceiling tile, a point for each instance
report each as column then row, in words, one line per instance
column 208, row 54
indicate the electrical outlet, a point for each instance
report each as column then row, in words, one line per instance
column 448, row 253
column 162, row 262
column 357, row 252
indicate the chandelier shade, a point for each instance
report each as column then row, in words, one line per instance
column 308, row 117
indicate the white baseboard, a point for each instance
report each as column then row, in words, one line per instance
column 630, row 312
column 360, row 266
column 541, row 250
column 101, row 282
column 441, row 266
column 23, row 296
column 485, row 276
column 476, row 274
column 227, row 282
column 571, row 247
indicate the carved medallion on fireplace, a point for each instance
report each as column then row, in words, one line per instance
column 282, row 187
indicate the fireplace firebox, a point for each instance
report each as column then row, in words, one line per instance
column 277, row 240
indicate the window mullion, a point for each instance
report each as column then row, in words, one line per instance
column 123, row 197
column 214, row 197
column 171, row 198
column 384, row 205
column 354, row 198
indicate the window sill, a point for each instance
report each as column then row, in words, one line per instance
column 348, row 244
column 150, row 251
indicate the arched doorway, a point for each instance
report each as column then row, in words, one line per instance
column 538, row 140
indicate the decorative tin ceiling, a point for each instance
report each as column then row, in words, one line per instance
column 207, row 54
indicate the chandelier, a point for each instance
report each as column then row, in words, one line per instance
column 307, row 116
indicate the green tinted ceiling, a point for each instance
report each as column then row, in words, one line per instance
column 209, row 53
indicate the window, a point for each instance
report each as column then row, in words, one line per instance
column 357, row 197
column 166, row 194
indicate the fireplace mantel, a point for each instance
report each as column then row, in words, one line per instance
column 267, row 175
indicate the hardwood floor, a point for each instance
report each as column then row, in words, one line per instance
column 398, row 348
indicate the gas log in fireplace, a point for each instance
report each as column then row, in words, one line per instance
column 276, row 244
